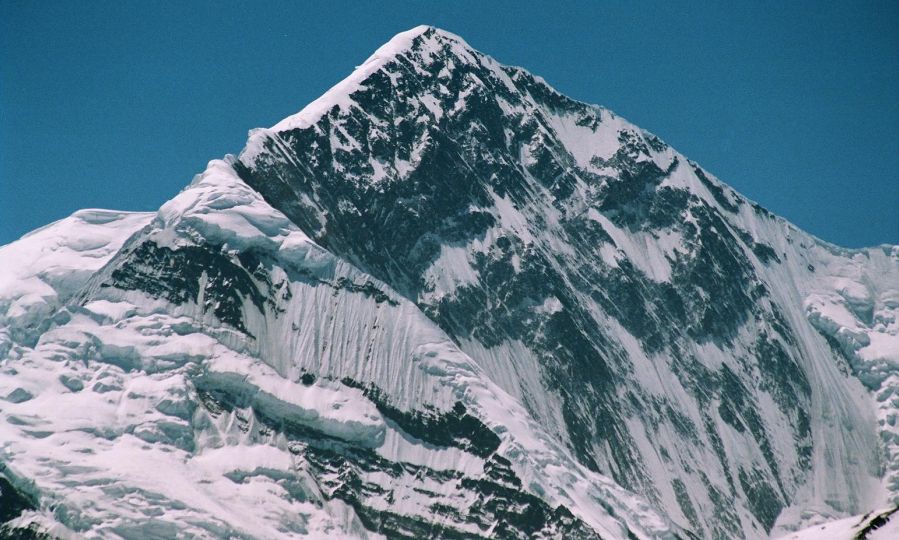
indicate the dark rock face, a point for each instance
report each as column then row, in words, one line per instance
column 456, row 428
column 192, row 273
column 12, row 501
column 337, row 470
column 443, row 149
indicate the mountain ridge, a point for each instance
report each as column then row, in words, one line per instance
column 552, row 250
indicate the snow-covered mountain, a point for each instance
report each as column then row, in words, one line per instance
column 444, row 300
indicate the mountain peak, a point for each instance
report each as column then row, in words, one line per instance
column 429, row 34
column 515, row 216
column 445, row 298
column 424, row 38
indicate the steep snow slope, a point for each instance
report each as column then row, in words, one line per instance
column 283, row 392
column 42, row 270
column 445, row 300
column 669, row 332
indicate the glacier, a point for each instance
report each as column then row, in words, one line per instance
column 445, row 300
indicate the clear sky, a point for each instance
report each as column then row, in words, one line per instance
column 118, row 104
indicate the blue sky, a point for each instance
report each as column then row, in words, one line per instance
column 118, row 104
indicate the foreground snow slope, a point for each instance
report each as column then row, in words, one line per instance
column 444, row 300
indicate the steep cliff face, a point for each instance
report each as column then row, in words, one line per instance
column 652, row 317
column 446, row 300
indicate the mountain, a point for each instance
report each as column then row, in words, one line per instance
column 444, row 300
